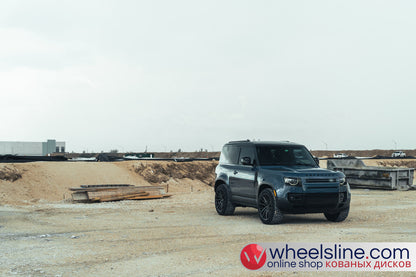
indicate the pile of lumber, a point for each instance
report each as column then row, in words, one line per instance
column 116, row 192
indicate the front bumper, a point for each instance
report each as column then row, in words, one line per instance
column 294, row 202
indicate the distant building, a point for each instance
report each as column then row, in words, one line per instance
column 24, row 148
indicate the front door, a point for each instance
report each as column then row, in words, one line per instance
column 243, row 178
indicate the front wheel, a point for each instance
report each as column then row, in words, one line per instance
column 267, row 205
column 337, row 217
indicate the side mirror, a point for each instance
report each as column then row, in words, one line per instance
column 316, row 159
column 246, row 161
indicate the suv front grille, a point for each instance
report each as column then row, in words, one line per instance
column 321, row 180
column 321, row 183
column 315, row 200
column 330, row 175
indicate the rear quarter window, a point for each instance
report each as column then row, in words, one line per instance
column 229, row 154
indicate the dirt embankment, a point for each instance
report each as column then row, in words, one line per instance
column 28, row 183
column 156, row 172
column 398, row 163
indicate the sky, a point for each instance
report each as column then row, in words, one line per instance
column 185, row 74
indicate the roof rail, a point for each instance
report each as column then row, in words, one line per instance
column 247, row 140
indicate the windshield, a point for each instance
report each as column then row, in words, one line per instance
column 284, row 155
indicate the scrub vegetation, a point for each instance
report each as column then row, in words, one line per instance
column 9, row 174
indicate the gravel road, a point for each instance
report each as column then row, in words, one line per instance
column 180, row 236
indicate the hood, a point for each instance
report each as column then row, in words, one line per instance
column 305, row 171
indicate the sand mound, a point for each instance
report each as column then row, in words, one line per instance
column 28, row 183
column 398, row 163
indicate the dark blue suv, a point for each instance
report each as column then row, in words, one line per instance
column 278, row 178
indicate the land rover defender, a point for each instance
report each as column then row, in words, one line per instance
column 278, row 178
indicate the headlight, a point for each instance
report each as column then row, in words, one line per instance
column 292, row 181
column 342, row 181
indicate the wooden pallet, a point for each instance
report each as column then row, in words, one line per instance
column 105, row 193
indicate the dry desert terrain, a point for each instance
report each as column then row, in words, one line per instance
column 43, row 234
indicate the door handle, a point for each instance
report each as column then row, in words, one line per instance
column 235, row 172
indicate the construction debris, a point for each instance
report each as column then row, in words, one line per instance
column 373, row 177
column 116, row 192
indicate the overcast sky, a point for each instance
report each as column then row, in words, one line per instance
column 124, row 75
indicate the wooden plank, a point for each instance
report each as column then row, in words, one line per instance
column 115, row 188
column 150, row 197
column 106, row 185
column 79, row 196
column 115, row 196
column 150, row 187
column 131, row 190
column 91, row 189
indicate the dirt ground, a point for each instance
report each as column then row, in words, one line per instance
column 44, row 235
column 51, row 181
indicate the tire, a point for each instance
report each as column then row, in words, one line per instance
column 337, row 217
column 267, row 206
column 223, row 203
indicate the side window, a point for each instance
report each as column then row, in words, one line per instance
column 246, row 152
column 229, row 154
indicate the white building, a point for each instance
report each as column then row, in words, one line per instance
column 24, row 148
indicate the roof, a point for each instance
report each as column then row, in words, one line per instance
column 264, row 142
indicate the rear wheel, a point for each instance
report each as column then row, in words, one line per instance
column 337, row 217
column 223, row 203
column 267, row 205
